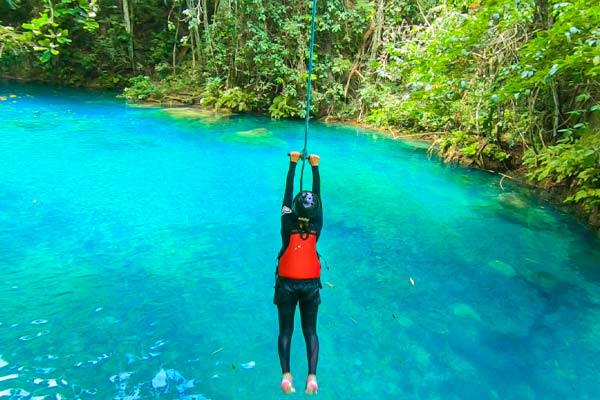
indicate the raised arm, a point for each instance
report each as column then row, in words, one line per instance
column 287, row 220
column 314, row 159
column 317, row 222
column 288, row 195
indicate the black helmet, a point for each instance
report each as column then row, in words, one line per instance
column 306, row 204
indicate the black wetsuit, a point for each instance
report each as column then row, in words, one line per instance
column 289, row 292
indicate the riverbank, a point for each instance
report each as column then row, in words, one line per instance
column 444, row 146
column 434, row 143
column 514, row 171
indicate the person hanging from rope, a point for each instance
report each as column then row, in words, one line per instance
column 298, row 272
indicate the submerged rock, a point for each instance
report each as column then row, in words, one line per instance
column 196, row 113
column 466, row 311
column 511, row 200
column 404, row 321
column 516, row 209
column 253, row 132
column 540, row 279
column 258, row 136
column 502, row 268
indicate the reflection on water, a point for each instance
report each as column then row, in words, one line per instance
column 138, row 249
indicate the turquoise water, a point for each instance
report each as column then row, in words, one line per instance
column 132, row 240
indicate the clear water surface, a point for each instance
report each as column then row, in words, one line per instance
column 134, row 239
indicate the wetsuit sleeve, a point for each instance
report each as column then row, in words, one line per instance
column 287, row 217
column 316, row 181
column 317, row 223
column 289, row 186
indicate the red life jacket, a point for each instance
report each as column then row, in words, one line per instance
column 300, row 259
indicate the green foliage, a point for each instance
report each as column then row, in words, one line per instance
column 13, row 4
column 575, row 164
column 478, row 150
column 455, row 140
column 211, row 92
column 284, row 106
column 495, row 153
column 142, row 88
column 501, row 76
column 236, row 99
column 12, row 43
column 554, row 76
column 49, row 31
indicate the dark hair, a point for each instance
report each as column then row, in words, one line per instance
column 306, row 204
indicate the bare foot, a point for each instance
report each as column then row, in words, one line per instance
column 311, row 385
column 287, row 385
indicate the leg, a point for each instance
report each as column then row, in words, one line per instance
column 308, row 315
column 286, row 313
column 309, row 308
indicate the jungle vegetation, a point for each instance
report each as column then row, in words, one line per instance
column 506, row 85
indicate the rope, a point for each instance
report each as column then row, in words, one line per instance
column 304, row 153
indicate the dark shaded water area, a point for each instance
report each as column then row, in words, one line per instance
column 134, row 239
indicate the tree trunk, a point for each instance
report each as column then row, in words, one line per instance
column 208, row 39
column 356, row 66
column 379, row 24
column 177, row 19
column 543, row 17
column 129, row 29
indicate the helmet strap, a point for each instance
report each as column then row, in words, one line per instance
column 303, row 227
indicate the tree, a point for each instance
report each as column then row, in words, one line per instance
column 50, row 29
